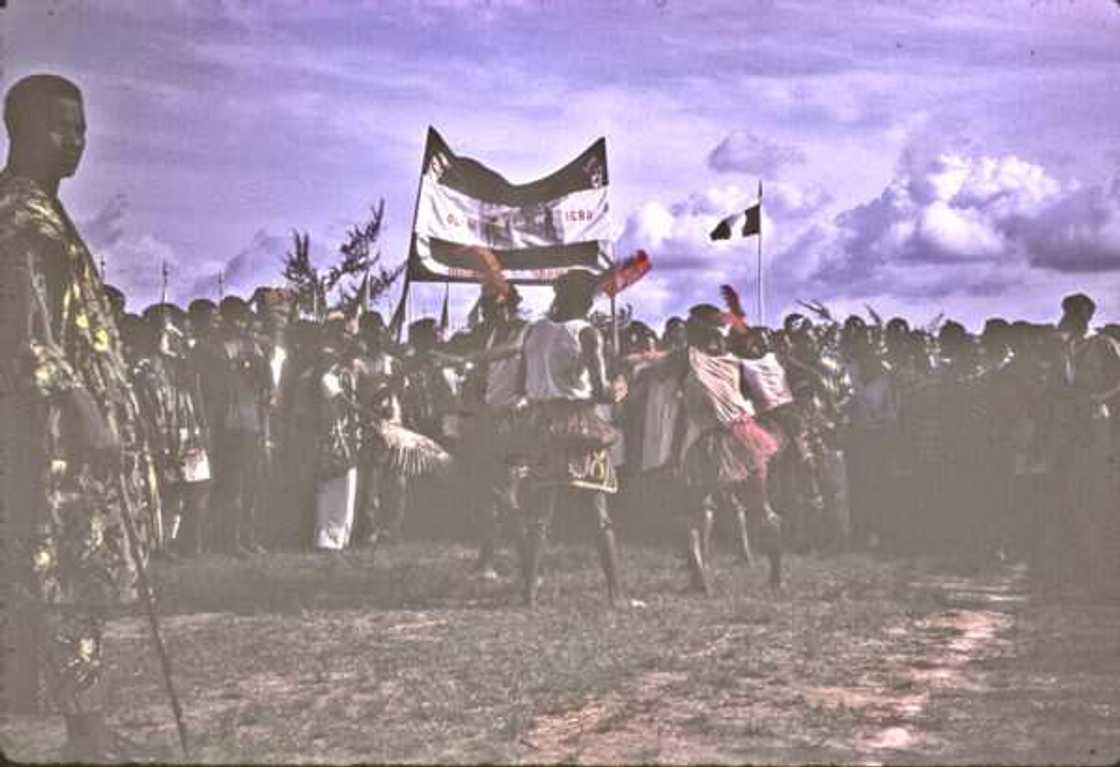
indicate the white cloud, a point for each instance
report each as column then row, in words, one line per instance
column 745, row 152
column 679, row 233
column 1079, row 234
column 688, row 267
column 961, row 227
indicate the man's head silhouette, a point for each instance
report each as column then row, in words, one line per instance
column 46, row 128
column 1077, row 312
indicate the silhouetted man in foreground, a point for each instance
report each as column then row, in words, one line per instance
column 70, row 424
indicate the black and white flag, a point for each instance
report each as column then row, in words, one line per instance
column 536, row 231
column 742, row 224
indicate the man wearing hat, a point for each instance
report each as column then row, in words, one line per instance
column 432, row 390
column 244, row 392
column 565, row 440
column 203, row 326
column 1088, row 399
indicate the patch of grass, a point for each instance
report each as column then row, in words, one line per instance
column 403, row 655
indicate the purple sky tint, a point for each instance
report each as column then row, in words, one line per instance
column 917, row 156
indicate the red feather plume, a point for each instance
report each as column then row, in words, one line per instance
column 626, row 273
column 735, row 316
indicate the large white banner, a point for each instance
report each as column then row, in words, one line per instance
column 536, row 231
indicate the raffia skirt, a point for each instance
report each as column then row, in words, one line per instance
column 565, row 443
column 405, row 451
column 727, row 455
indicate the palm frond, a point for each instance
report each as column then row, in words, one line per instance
column 302, row 276
column 358, row 252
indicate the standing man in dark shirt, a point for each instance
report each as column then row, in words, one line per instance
column 1089, row 382
column 492, row 394
column 240, row 429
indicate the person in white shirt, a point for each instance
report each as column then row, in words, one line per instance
column 566, row 441
column 724, row 452
column 796, row 487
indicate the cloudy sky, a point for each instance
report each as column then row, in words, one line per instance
column 916, row 156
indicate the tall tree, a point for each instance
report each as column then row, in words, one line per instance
column 359, row 257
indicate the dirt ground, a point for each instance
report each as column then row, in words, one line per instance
column 406, row 657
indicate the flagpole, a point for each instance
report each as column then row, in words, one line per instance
column 614, row 314
column 761, row 298
column 406, row 289
column 396, row 324
column 445, row 312
column 163, row 281
column 614, row 328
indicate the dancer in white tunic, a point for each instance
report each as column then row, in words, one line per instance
column 565, row 441
column 722, row 451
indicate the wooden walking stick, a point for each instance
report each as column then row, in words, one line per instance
column 150, row 607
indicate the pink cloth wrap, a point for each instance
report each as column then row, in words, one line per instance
column 755, row 438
